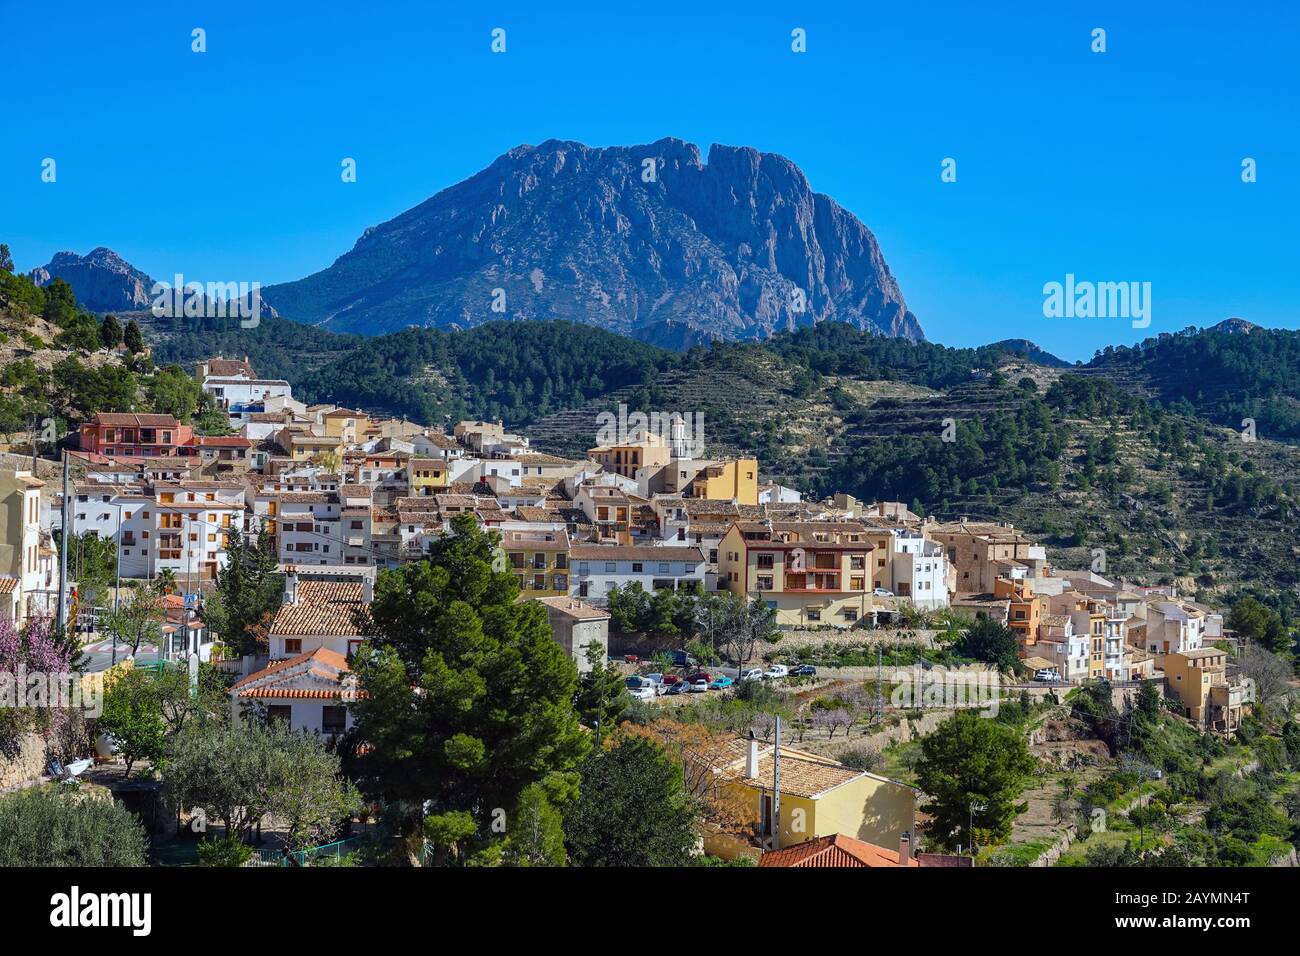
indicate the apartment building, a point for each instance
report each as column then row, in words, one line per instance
column 1211, row 697
column 598, row 568
column 1026, row 610
column 28, row 573
column 121, row 434
column 974, row 549
column 1173, row 627
column 913, row 567
column 427, row 476
column 807, row 572
column 309, row 527
column 192, row 521
column 346, row 424
column 627, row 458
column 731, row 479
column 539, row 560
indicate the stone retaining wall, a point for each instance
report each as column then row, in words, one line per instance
column 27, row 767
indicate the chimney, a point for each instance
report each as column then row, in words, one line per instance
column 751, row 757
column 367, row 589
column 291, row 586
column 904, row 847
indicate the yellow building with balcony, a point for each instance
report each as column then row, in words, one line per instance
column 808, row 574
column 539, row 560
column 427, row 476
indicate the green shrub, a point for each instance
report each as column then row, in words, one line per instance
column 51, row 826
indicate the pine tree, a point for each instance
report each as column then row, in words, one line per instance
column 132, row 338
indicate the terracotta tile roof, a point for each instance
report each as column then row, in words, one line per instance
column 649, row 555
column 312, row 675
column 222, row 441
column 228, row 367
column 833, row 851
column 323, row 608
column 137, row 421
column 329, row 592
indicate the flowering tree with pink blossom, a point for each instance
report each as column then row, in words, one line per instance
column 34, row 649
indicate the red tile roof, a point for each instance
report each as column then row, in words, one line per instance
column 833, row 851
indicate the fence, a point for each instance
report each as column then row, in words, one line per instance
column 310, row 857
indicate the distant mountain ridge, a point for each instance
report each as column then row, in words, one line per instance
column 1030, row 351
column 102, row 280
column 648, row 241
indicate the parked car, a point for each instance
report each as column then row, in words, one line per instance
column 776, row 671
column 804, row 670
column 1047, row 675
column 631, row 658
column 671, row 679
column 754, row 673
column 682, row 659
column 653, row 678
column 647, row 692
column 700, row 675
column 681, row 687
column 699, row 686
column 721, row 683
column 633, row 682
column 883, row 592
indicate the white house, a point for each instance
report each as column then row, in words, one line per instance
column 310, row 691
column 320, row 610
column 597, row 568
column 919, row 569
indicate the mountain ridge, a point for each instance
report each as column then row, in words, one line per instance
column 650, row 241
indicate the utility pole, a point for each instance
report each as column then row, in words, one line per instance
column 776, row 786
column 63, row 555
column 117, row 587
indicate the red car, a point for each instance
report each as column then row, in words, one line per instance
column 700, row 675
column 631, row 658
column 670, row 679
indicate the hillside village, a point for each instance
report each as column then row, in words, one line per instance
column 333, row 497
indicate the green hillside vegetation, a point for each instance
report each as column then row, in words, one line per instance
column 1254, row 374
column 60, row 362
column 515, row 371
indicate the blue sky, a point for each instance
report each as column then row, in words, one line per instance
column 1120, row 166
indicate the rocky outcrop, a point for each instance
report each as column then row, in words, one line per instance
column 649, row 241
column 102, row 280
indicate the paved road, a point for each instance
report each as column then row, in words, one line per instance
column 99, row 654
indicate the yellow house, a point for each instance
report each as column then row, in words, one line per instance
column 626, row 458
column 427, row 476
column 810, row 573
column 304, row 446
column 1200, row 681
column 720, row 480
column 540, row 561
column 348, row 424
column 818, row 797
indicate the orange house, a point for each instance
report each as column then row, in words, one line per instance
column 141, row 436
column 1027, row 608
